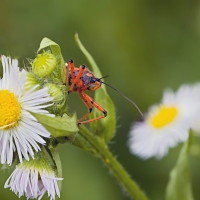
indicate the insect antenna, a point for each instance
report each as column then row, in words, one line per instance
column 122, row 95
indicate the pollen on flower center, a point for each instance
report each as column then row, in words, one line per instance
column 9, row 110
column 164, row 116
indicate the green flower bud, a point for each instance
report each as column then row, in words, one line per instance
column 55, row 92
column 31, row 81
column 44, row 64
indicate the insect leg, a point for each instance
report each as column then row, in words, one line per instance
column 78, row 77
column 69, row 67
column 90, row 102
column 87, row 103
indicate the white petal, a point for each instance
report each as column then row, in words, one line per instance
column 147, row 141
column 25, row 137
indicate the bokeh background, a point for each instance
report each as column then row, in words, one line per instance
column 144, row 46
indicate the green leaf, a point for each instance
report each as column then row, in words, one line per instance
column 179, row 186
column 46, row 42
column 56, row 158
column 50, row 154
column 105, row 128
column 60, row 71
column 58, row 126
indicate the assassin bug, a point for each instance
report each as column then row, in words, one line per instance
column 80, row 80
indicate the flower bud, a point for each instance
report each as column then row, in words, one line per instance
column 54, row 92
column 33, row 179
column 31, row 81
column 44, row 64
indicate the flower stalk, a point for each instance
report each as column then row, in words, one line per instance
column 113, row 165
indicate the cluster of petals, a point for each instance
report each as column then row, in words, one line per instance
column 22, row 135
column 167, row 123
column 33, row 181
column 27, row 133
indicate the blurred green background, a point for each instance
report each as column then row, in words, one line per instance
column 144, row 46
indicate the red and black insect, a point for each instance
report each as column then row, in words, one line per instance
column 80, row 80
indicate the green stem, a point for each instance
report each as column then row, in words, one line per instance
column 114, row 166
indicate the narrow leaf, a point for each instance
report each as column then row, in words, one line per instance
column 51, row 154
column 58, row 126
column 105, row 128
column 179, row 186
column 57, row 161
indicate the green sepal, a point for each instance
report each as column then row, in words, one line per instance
column 59, row 72
column 58, row 126
column 105, row 128
column 179, row 185
column 56, row 158
column 51, row 154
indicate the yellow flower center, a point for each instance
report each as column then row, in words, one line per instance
column 164, row 116
column 9, row 110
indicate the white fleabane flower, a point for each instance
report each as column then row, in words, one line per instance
column 19, row 130
column 166, row 124
column 33, row 179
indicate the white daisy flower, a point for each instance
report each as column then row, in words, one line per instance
column 166, row 124
column 33, row 179
column 19, row 130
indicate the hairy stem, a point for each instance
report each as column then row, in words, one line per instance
column 114, row 166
